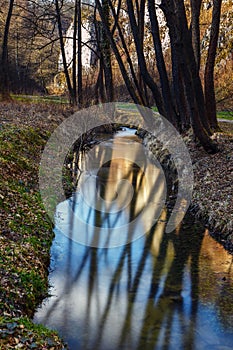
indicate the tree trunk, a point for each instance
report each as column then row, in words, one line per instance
column 141, row 29
column 4, row 77
column 190, row 64
column 132, row 91
column 62, row 47
column 181, row 42
column 106, row 54
column 210, row 102
column 80, row 68
column 143, row 99
column 166, row 92
column 142, row 63
column 74, row 65
column 178, row 84
column 195, row 30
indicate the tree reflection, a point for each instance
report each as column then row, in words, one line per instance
column 143, row 295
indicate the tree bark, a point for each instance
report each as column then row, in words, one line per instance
column 210, row 101
column 142, row 63
column 74, row 65
column 166, row 92
column 80, row 67
column 131, row 90
column 178, row 83
column 129, row 61
column 141, row 29
column 106, row 54
column 62, row 47
column 181, row 42
column 195, row 30
column 190, row 65
column 4, row 77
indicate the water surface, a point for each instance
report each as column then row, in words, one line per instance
column 148, row 291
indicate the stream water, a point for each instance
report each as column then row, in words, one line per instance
column 122, row 286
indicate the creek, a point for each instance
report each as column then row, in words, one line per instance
column 118, row 280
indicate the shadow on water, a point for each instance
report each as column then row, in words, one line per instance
column 156, row 291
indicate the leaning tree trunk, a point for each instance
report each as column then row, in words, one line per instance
column 210, row 102
column 4, row 76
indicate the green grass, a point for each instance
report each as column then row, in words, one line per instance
column 26, row 237
column 40, row 99
column 225, row 115
column 40, row 329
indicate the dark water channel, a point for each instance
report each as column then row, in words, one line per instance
column 114, row 287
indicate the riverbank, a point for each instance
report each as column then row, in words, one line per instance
column 213, row 190
column 26, row 233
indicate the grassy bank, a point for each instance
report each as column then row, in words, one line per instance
column 26, row 236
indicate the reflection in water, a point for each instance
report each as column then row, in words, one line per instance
column 119, row 197
column 160, row 291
